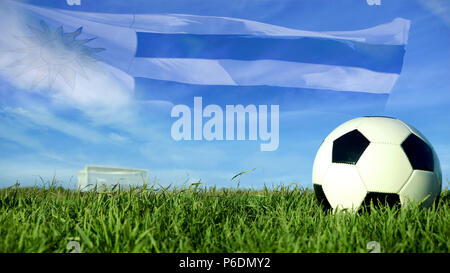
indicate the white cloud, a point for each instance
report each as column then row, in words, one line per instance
column 14, row 133
column 438, row 8
column 118, row 138
column 42, row 117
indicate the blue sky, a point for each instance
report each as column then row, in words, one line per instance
column 47, row 133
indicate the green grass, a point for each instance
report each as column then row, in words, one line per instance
column 196, row 219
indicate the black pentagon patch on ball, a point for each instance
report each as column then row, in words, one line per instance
column 320, row 195
column 379, row 199
column 349, row 147
column 419, row 153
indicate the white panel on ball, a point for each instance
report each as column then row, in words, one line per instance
column 421, row 185
column 343, row 187
column 384, row 168
column 322, row 162
column 343, row 129
column 384, row 130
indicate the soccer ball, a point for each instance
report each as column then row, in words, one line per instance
column 372, row 159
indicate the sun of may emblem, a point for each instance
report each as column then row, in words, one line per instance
column 50, row 55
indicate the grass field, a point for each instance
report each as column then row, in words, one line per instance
column 196, row 219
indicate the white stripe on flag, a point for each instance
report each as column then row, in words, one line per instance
column 192, row 71
column 392, row 33
column 117, row 33
column 264, row 72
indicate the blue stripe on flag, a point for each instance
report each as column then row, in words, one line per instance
column 289, row 99
column 382, row 58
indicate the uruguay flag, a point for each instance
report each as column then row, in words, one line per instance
column 174, row 57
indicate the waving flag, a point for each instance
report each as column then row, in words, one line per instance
column 173, row 57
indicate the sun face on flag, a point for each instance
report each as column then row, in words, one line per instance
column 53, row 54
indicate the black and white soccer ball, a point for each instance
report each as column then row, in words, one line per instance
column 376, row 158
